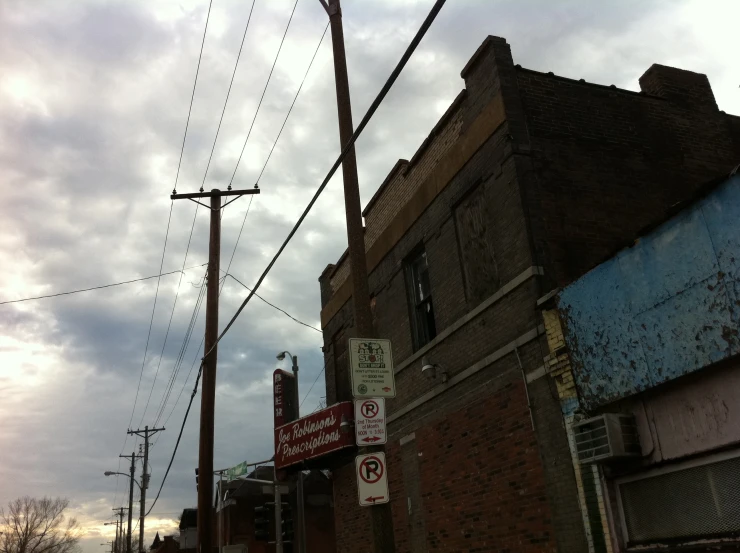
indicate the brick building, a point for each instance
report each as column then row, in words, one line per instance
column 527, row 181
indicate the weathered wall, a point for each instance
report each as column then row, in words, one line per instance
column 663, row 308
column 608, row 162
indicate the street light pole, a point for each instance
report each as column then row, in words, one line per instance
column 301, row 530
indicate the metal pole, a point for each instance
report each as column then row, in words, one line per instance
column 278, row 516
column 301, row 530
column 208, row 389
column 220, row 512
column 382, row 518
column 131, row 501
column 144, row 483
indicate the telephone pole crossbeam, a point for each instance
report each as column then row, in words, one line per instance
column 146, row 433
column 208, row 386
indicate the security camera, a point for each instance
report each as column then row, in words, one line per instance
column 428, row 369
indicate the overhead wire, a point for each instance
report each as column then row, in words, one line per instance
column 164, row 249
column 102, row 286
column 276, row 307
column 172, row 314
column 371, row 111
column 312, row 385
column 350, row 143
column 228, row 93
column 259, row 104
column 277, row 139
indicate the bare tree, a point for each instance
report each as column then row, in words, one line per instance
column 38, row 526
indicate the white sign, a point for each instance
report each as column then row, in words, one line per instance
column 371, row 367
column 370, row 421
column 372, row 479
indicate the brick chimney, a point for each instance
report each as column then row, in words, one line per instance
column 686, row 88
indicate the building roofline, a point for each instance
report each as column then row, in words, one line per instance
column 379, row 192
column 611, row 87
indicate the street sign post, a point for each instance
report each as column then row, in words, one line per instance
column 372, row 479
column 371, row 368
column 370, row 421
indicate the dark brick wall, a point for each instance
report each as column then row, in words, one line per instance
column 609, row 162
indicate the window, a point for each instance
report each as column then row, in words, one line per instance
column 698, row 500
column 419, row 291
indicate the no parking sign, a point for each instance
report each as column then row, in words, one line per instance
column 372, row 479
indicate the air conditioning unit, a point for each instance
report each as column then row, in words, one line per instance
column 606, row 437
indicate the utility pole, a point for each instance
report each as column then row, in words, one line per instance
column 130, row 496
column 383, row 536
column 278, row 515
column 208, row 387
column 119, row 533
column 144, row 478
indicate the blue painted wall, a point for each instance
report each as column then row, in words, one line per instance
column 666, row 307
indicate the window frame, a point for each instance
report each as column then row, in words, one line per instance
column 410, row 264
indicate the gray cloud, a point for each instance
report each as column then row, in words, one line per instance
column 93, row 102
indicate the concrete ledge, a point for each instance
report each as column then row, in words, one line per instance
column 507, row 288
column 466, row 373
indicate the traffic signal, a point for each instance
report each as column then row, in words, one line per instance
column 196, row 480
column 287, row 523
column 262, row 523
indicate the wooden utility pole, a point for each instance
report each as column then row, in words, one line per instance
column 131, row 496
column 208, row 386
column 119, row 529
column 383, row 535
column 144, row 478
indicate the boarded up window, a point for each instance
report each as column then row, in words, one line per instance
column 475, row 240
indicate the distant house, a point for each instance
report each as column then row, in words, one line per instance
column 188, row 529
column 168, row 545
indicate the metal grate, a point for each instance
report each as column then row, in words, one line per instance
column 700, row 502
column 605, row 437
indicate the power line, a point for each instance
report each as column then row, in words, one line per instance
column 228, row 93
column 358, row 131
column 179, row 436
column 192, row 96
column 293, row 104
column 277, row 138
column 172, row 314
column 151, row 322
column 177, row 176
column 274, row 63
column 275, row 306
column 102, row 286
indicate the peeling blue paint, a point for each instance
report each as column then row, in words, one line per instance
column 666, row 307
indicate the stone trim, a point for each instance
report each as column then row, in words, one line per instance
column 507, row 288
column 466, row 373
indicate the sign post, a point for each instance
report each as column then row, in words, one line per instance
column 371, row 368
column 372, row 479
column 370, row 421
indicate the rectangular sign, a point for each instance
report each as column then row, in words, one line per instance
column 372, row 479
column 239, row 470
column 370, row 421
column 371, row 368
column 283, row 389
column 313, row 436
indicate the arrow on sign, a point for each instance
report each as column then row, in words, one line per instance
column 373, row 439
column 374, row 499
column 386, row 389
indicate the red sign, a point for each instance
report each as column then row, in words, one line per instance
column 313, row 436
column 283, row 387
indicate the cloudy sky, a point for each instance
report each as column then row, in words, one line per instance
column 94, row 95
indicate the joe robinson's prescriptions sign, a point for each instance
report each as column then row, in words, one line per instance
column 313, row 436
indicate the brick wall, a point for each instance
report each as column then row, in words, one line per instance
column 607, row 162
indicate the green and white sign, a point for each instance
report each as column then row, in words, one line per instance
column 371, row 368
column 235, row 472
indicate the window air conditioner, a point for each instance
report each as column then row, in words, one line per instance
column 606, row 437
